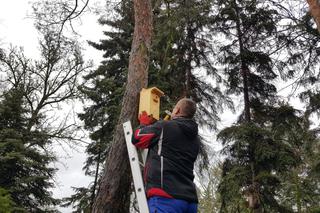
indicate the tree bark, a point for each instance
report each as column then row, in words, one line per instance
column 314, row 6
column 114, row 192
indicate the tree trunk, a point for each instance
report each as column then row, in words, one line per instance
column 188, row 54
column 114, row 192
column 244, row 68
column 253, row 191
column 93, row 195
column 314, row 6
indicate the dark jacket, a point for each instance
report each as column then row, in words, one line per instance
column 173, row 148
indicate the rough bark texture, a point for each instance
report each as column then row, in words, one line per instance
column 314, row 6
column 114, row 192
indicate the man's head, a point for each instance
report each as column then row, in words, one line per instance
column 184, row 108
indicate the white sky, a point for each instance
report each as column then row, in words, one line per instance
column 18, row 30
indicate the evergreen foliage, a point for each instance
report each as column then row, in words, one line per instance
column 25, row 172
column 209, row 198
column 80, row 200
column 30, row 89
column 254, row 25
column 6, row 203
column 272, row 139
column 182, row 62
column 298, row 40
column 261, row 149
column 104, row 87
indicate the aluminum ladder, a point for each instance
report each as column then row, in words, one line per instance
column 135, row 168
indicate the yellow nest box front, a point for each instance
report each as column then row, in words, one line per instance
column 150, row 101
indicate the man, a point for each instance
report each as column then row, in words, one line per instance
column 173, row 148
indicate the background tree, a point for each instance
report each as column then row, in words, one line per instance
column 25, row 171
column 209, row 198
column 104, row 87
column 301, row 43
column 254, row 141
column 248, row 26
column 181, row 58
column 32, row 88
column 80, row 200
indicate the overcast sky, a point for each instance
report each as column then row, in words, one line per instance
column 16, row 28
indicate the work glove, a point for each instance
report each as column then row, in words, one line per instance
column 145, row 119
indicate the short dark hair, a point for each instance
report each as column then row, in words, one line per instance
column 188, row 107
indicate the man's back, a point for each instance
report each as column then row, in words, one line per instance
column 173, row 148
column 170, row 162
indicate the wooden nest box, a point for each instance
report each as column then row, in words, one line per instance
column 150, row 101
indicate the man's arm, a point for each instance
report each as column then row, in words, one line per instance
column 147, row 136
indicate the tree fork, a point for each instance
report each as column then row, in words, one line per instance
column 114, row 191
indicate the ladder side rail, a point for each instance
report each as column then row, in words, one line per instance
column 135, row 169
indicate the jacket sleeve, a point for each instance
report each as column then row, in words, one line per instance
column 147, row 136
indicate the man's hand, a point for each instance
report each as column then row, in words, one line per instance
column 145, row 119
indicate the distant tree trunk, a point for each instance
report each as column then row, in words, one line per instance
column 95, row 183
column 314, row 6
column 252, row 192
column 189, row 40
column 188, row 75
column 244, row 67
column 114, row 192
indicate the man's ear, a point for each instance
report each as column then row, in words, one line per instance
column 178, row 110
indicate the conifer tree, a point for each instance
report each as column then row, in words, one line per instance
column 104, row 87
column 209, row 198
column 301, row 39
column 297, row 43
column 248, row 26
column 259, row 149
column 182, row 64
column 25, row 172
column 32, row 87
